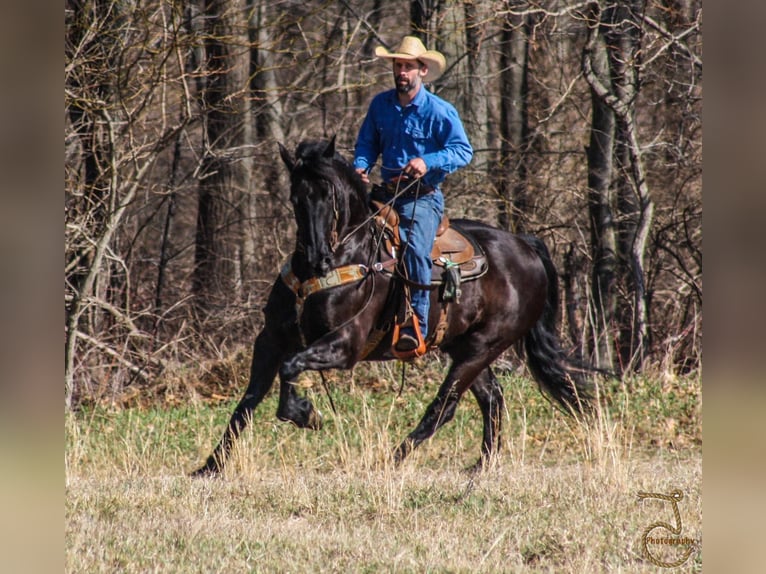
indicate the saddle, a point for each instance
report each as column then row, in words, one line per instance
column 456, row 257
column 452, row 246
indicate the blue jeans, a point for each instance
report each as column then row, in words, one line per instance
column 419, row 228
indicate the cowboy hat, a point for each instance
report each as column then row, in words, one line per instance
column 411, row 48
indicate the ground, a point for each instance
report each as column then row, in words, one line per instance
column 562, row 497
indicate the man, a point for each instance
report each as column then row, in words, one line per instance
column 420, row 137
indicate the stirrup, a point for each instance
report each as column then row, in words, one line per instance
column 418, row 351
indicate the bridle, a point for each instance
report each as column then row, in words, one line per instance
column 334, row 242
column 335, row 277
column 355, row 272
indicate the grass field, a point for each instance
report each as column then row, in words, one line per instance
column 562, row 497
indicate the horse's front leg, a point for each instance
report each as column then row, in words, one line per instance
column 267, row 354
column 334, row 351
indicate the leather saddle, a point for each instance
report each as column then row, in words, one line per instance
column 452, row 245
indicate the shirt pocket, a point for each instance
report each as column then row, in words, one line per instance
column 416, row 132
column 419, row 140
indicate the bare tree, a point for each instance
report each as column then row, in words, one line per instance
column 591, row 114
column 478, row 91
column 115, row 140
column 620, row 28
column 603, row 237
column 514, row 121
column 421, row 18
column 226, row 166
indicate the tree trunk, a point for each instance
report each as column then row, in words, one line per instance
column 226, row 166
column 623, row 39
column 514, row 125
column 476, row 110
column 373, row 22
column 92, row 213
column 621, row 33
column 421, row 12
column 602, row 230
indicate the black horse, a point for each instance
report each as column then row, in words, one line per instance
column 315, row 323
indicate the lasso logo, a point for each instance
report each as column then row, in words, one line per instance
column 653, row 542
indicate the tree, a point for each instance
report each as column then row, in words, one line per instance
column 478, row 91
column 226, row 167
column 603, row 241
column 586, row 120
column 514, row 122
column 618, row 24
column 113, row 77
column 421, row 14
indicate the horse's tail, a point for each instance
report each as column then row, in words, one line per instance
column 558, row 377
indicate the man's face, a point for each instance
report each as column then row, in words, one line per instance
column 408, row 75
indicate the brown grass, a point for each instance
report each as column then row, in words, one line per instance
column 562, row 497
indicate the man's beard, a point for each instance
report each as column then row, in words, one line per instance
column 404, row 87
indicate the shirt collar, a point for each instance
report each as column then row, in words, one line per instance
column 420, row 98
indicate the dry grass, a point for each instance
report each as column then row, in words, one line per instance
column 562, row 497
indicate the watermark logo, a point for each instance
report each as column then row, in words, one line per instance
column 655, row 542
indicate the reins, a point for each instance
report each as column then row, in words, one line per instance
column 339, row 276
column 397, row 193
column 294, row 284
column 350, row 273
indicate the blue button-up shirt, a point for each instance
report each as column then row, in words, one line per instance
column 429, row 128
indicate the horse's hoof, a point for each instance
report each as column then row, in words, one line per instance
column 206, row 471
column 403, row 451
column 484, row 464
column 476, row 468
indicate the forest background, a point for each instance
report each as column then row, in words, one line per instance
column 585, row 118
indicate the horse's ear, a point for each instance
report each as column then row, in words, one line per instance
column 329, row 150
column 286, row 157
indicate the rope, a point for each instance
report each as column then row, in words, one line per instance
column 327, row 391
column 376, row 244
column 389, row 203
column 401, row 382
column 370, row 274
column 674, row 497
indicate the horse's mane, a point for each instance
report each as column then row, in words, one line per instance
column 309, row 156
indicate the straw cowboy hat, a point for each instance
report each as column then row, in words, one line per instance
column 412, row 48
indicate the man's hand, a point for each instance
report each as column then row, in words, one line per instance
column 363, row 174
column 415, row 168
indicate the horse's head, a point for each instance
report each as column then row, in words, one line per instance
column 319, row 193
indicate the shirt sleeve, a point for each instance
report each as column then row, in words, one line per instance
column 456, row 150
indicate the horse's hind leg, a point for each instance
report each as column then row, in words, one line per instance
column 440, row 411
column 489, row 395
column 461, row 375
